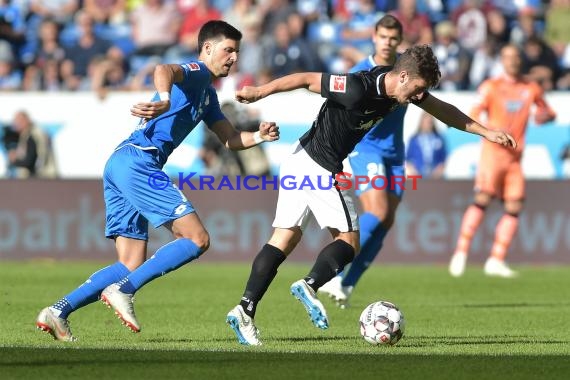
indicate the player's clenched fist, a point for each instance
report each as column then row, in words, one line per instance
column 268, row 131
column 248, row 94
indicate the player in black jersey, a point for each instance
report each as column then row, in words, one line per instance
column 354, row 104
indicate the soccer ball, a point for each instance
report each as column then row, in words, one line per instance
column 382, row 323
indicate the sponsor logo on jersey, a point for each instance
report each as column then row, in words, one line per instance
column 338, row 83
column 193, row 66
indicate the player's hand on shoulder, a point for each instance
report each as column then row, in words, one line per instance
column 248, row 94
column 501, row 138
column 150, row 110
column 268, row 131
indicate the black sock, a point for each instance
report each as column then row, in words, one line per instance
column 263, row 271
column 330, row 262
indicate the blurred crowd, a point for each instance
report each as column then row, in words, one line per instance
column 105, row 45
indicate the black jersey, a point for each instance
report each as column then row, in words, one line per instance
column 355, row 103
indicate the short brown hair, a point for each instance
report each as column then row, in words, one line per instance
column 390, row 22
column 419, row 61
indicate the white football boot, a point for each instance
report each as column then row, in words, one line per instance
column 122, row 303
column 457, row 264
column 57, row 327
column 243, row 326
column 498, row 268
column 338, row 293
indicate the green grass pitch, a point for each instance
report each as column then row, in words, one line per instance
column 469, row 328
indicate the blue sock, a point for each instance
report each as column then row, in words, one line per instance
column 368, row 223
column 370, row 244
column 91, row 289
column 168, row 258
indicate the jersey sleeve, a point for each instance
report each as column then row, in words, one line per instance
column 194, row 69
column 344, row 89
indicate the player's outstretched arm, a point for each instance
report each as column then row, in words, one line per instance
column 452, row 116
column 543, row 113
column 164, row 77
column 238, row 140
column 310, row 81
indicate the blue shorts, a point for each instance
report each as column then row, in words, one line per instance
column 132, row 200
column 388, row 173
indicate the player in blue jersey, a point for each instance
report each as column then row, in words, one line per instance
column 380, row 152
column 184, row 98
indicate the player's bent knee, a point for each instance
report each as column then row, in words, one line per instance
column 513, row 207
column 482, row 200
column 202, row 241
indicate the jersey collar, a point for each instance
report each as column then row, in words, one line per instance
column 381, row 84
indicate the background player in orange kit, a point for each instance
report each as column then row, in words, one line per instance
column 507, row 100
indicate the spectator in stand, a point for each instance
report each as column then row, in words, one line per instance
column 297, row 29
column 271, row 13
column 498, row 29
column 470, row 19
column 12, row 26
column 540, row 63
column 485, row 63
column 47, row 60
column 240, row 12
column 106, row 11
column 193, row 19
column 10, row 77
column 62, row 11
column 252, row 51
column 74, row 68
column 361, row 25
column 525, row 26
column 110, row 73
column 417, row 26
column 32, row 156
column 314, row 10
column 511, row 9
column 557, row 32
column 286, row 56
column 454, row 61
column 141, row 79
column 155, row 27
column 557, row 35
column 426, row 152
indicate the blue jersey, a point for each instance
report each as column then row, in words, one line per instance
column 387, row 136
column 191, row 101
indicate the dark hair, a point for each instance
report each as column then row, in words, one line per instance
column 216, row 29
column 419, row 61
column 390, row 22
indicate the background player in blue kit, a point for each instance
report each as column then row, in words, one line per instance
column 184, row 98
column 380, row 152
